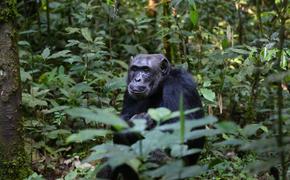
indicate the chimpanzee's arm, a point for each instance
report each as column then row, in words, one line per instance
column 179, row 82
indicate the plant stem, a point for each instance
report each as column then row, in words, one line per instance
column 281, row 14
column 47, row 17
column 260, row 25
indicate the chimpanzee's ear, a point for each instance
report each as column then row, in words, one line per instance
column 165, row 66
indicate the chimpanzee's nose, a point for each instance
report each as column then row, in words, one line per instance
column 137, row 79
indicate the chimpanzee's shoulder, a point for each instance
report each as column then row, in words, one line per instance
column 182, row 77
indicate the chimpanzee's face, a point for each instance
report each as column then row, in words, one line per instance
column 146, row 72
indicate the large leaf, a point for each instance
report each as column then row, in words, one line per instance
column 87, row 134
column 190, row 124
column 87, row 34
column 100, row 116
column 59, row 54
column 208, row 94
column 251, row 129
column 45, row 53
column 116, row 83
column 240, row 51
column 55, row 109
column 228, row 127
column 159, row 114
column 202, row 133
column 155, row 139
column 72, row 30
column 31, row 101
column 25, row 75
column 193, row 14
column 56, row 133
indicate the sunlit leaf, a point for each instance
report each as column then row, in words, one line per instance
column 240, row 51
column 208, row 94
column 55, row 109
column 63, row 53
column 159, row 114
column 193, row 14
column 251, row 129
column 45, row 53
column 87, row 134
column 72, row 30
column 87, row 34
column 228, row 127
column 100, row 116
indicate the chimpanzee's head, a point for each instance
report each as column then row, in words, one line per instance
column 146, row 72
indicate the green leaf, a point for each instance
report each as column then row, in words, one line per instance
column 283, row 61
column 71, row 175
column 87, row 134
column 159, row 114
column 177, row 113
column 98, row 116
column 130, row 49
column 23, row 43
column 25, row 75
column 59, row 132
column 55, row 109
column 193, row 14
column 35, row 176
column 87, row 34
column 208, row 94
column 31, row 101
column 251, row 129
column 187, row 172
column 45, row 53
column 202, row 133
column 189, row 124
column 116, row 83
column 228, row 127
column 134, row 164
column 240, row 51
column 232, row 142
column 172, row 168
column 63, row 53
column 225, row 43
column 109, row 2
column 191, row 3
column 71, row 30
column 72, row 42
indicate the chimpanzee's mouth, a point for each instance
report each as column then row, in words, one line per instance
column 137, row 92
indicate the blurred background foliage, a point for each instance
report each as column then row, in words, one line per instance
column 74, row 56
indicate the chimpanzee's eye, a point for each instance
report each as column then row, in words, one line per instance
column 146, row 69
column 133, row 68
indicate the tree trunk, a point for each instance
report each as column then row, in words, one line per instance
column 13, row 159
column 166, row 24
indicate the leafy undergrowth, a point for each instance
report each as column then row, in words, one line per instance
column 73, row 72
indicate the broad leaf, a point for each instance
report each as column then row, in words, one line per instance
column 208, row 94
column 45, row 53
column 87, row 34
column 159, row 114
column 87, row 134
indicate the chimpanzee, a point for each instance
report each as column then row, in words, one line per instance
column 152, row 83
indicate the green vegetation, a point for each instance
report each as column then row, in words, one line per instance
column 74, row 55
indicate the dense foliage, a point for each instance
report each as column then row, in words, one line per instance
column 74, row 56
